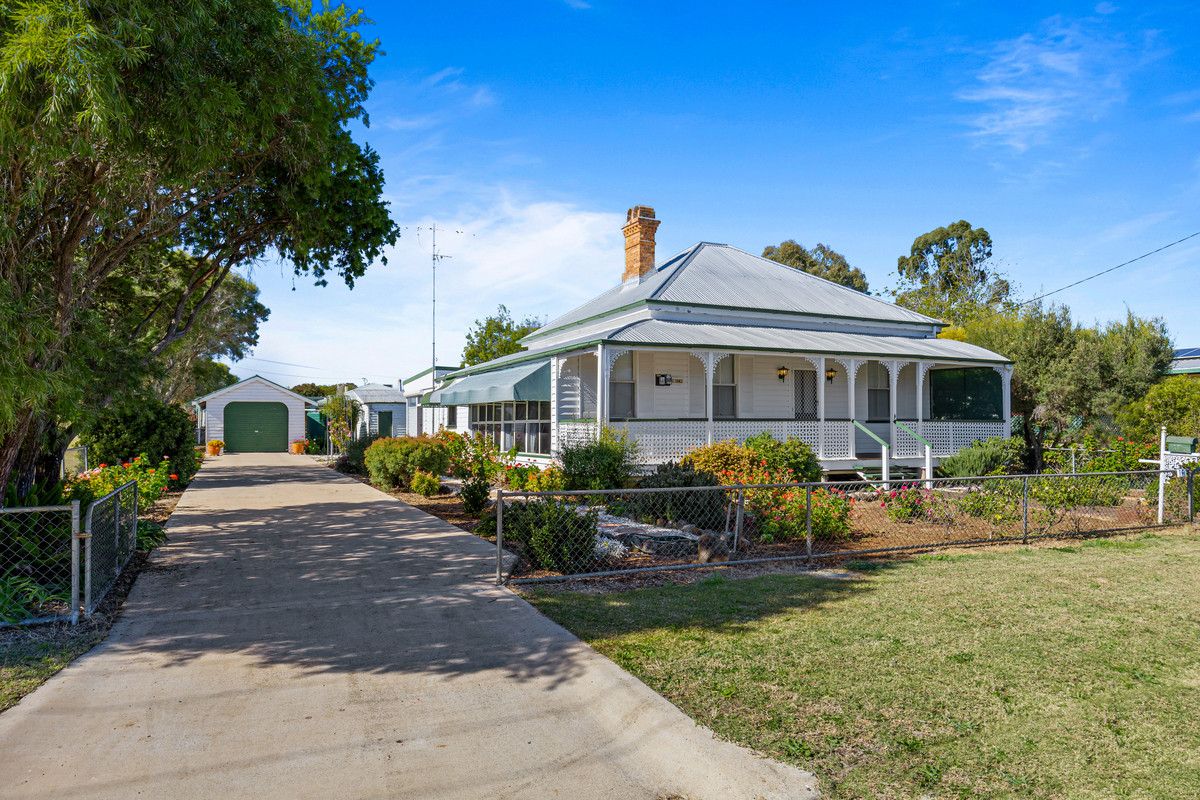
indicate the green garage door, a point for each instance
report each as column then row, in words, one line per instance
column 256, row 428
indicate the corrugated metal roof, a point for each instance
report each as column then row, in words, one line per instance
column 1186, row 364
column 753, row 337
column 719, row 275
column 377, row 393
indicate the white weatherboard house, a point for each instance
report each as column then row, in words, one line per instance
column 252, row 416
column 382, row 409
column 423, row 416
column 716, row 343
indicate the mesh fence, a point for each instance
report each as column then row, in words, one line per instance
column 557, row 534
column 111, row 541
column 36, row 563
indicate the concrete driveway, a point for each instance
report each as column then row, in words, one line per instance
column 305, row 636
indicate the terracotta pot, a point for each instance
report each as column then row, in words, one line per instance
column 213, row 451
column 297, row 448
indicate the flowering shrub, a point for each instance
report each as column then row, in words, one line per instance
column 151, row 479
column 792, row 455
column 476, row 457
column 909, row 503
column 994, row 507
column 781, row 512
column 721, row 459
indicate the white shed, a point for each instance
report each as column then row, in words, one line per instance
column 383, row 409
column 253, row 416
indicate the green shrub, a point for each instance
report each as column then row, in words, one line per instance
column 315, row 447
column 722, row 459
column 355, row 461
column 475, row 494
column 152, row 480
column 150, row 535
column 549, row 479
column 554, row 534
column 793, row 455
column 425, row 483
column 149, row 428
column 609, row 463
column 995, row 507
column 705, row 509
column 985, row 458
column 1174, row 402
column 394, row 462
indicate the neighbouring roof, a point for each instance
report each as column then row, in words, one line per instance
column 253, row 379
column 720, row 276
column 1187, row 361
column 525, row 382
column 376, row 393
column 439, row 368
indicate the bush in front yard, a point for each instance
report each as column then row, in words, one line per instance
column 720, row 458
column 556, row 537
column 394, row 462
column 792, row 455
column 355, row 454
column 705, row 509
column 425, row 483
column 609, row 463
column 149, row 428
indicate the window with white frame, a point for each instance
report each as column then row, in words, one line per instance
column 525, row 426
column 879, row 393
column 452, row 416
column 724, row 390
column 620, row 388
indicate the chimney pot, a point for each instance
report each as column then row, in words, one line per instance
column 639, row 229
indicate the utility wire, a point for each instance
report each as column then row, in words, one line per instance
column 1110, row 269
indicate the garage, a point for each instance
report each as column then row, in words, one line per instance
column 256, row 427
column 252, row 416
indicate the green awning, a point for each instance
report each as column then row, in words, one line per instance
column 524, row 383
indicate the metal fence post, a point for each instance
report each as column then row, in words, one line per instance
column 737, row 526
column 1025, row 509
column 808, row 520
column 1191, row 474
column 87, row 563
column 74, row 562
column 499, row 537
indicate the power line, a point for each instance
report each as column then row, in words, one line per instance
column 1110, row 269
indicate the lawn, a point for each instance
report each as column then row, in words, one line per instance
column 1058, row 672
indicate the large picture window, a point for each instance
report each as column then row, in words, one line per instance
column 525, row 426
column 968, row 393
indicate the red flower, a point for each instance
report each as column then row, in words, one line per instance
column 174, row 477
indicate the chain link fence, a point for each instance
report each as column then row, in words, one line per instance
column 111, row 539
column 599, row 533
column 39, row 557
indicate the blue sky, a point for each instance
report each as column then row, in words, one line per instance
column 1071, row 132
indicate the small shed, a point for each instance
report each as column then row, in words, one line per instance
column 382, row 409
column 253, row 416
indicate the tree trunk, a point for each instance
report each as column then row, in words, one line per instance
column 10, row 446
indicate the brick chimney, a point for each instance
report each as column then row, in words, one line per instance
column 640, row 225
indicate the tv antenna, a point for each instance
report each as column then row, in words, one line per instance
column 435, row 257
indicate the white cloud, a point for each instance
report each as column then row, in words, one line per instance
column 1039, row 82
column 537, row 257
column 1106, row 8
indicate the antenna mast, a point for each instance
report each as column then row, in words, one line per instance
column 435, row 257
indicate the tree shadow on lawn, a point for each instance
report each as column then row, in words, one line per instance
column 715, row 604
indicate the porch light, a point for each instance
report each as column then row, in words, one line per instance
column 830, row 374
column 782, row 373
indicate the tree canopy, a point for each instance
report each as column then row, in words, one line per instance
column 218, row 130
column 949, row 274
column 1175, row 403
column 320, row 389
column 1068, row 377
column 496, row 336
column 822, row 261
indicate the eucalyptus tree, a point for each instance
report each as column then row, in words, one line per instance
column 220, row 129
column 822, row 261
column 949, row 274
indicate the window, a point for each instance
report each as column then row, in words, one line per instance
column 805, row 386
column 525, row 426
column 620, row 388
column 452, row 417
column 975, row 393
column 724, row 390
column 879, row 393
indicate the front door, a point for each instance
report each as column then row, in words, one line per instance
column 385, row 423
column 805, row 383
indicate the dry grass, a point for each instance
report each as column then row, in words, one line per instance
column 1055, row 672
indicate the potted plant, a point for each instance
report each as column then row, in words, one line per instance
column 298, row 446
column 214, row 447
